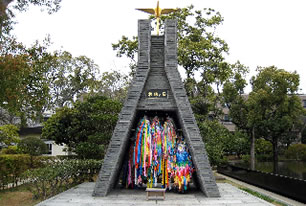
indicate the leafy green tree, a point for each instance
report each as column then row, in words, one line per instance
column 303, row 140
column 296, row 152
column 220, row 142
column 216, row 137
column 90, row 150
column 10, row 150
column 23, row 83
column 199, row 49
column 33, row 80
column 32, row 146
column 200, row 52
column 103, row 115
column 6, row 14
column 271, row 111
column 9, row 135
column 59, row 127
column 238, row 144
column 86, row 127
column 128, row 48
column 263, row 150
column 113, row 85
column 239, row 111
column 71, row 77
column 274, row 105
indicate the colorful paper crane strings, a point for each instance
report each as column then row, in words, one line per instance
column 158, row 155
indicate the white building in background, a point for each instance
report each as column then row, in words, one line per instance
column 34, row 129
column 55, row 149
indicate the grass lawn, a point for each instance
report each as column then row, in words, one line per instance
column 19, row 196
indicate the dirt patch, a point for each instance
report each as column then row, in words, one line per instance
column 17, row 198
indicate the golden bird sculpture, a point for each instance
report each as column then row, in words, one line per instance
column 157, row 12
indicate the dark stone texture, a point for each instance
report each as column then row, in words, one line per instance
column 110, row 169
column 157, row 79
column 205, row 177
column 156, row 69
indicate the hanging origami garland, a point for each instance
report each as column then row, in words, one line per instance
column 158, row 155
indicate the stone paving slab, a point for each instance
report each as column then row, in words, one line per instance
column 81, row 195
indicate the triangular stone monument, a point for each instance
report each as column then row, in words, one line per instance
column 157, row 76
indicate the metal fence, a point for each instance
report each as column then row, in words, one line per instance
column 283, row 185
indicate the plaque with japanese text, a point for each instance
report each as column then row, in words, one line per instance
column 157, row 93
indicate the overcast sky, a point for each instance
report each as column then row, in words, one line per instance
column 259, row 32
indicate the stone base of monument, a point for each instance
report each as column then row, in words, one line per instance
column 81, row 195
column 155, row 193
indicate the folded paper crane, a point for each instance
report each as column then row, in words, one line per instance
column 157, row 12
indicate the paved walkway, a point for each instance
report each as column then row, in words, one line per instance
column 81, row 196
column 280, row 198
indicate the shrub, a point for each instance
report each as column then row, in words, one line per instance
column 67, row 157
column 42, row 161
column 246, row 159
column 88, row 150
column 60, row 176
column 263, row 150
column 11, row 168
column 32, row 146
column 264, row 157
column 9, row 150
column 216, row 137
column 263, row 146
column 238, row 143
column 9, row 134
column 85, row 126
column 296, row 151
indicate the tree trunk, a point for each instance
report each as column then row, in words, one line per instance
column 3, row 6
column 275, row 156
column 252, row 151
column 31, row 162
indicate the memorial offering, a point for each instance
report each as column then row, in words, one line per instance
column 159, row 155
column 156, row 154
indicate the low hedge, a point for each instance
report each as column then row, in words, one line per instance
column 11, row 168
column 13, row 165
column 60, row 176
column 49, row 175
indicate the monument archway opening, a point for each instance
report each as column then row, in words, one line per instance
column 158, row 155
